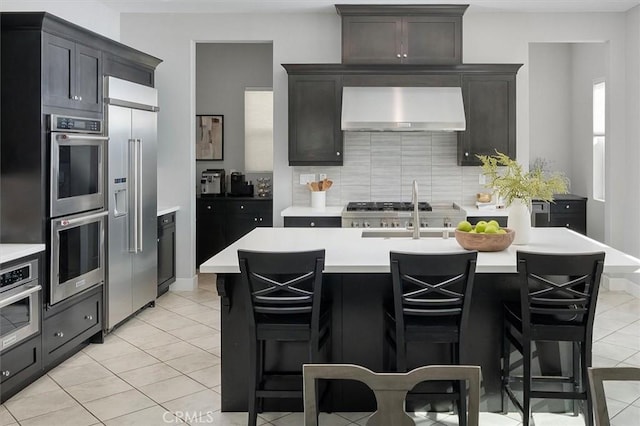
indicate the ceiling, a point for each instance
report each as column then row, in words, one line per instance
column 303, row 6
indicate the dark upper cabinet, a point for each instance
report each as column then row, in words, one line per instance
column 315, row 135
column 490, row 110
column 72, row 74
column 401, row 35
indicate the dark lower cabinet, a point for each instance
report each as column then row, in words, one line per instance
column 166, row 252
column 210, row 228
column 313, row 221
column 68, row 324
column 19, row 366
column 569, row 211
column 222, row 220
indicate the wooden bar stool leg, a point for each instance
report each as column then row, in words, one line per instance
column 506, row 350
column 575, row 349
column 586, row 363
column 526, row 383
column 253, row 381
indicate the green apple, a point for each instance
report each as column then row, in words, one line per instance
column 490, row 229
column 464, row 226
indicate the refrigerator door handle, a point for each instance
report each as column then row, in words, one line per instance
column 133, row 194
column 139, row 214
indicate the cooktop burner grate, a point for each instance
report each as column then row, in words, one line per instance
column 395, row 206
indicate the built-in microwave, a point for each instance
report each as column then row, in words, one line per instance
column 19, row 304
column 78, row 152
column 77, row 254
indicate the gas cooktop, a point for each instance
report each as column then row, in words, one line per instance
column 397, row 206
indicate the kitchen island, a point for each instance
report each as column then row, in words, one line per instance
column 358, row 281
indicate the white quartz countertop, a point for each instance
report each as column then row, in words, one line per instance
column 348, row 252
column 473, row 211
column 306, row 211
column 165, row 210
column 9, row 252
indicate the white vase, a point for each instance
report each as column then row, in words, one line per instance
column 519, row 219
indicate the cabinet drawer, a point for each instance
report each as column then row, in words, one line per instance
column 71, row 322
column 20, row 366
column 576, row 221
column 18, row 359
column 167, row 219
column 313, row 222
column 562, row 206
column 249, row 207
column 210, row 207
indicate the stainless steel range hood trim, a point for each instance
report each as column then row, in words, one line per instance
column 403, row 109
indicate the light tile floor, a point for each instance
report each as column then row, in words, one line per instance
column 163, row 367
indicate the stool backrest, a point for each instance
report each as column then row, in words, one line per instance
column 596, row 378
column 390, row 389
column 432, row 285
column 559, row 288
column 282, row 283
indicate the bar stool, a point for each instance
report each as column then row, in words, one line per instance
column 558, row 294
column 282, row 293
column 431, row 302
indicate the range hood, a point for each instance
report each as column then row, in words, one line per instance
column 402, row 109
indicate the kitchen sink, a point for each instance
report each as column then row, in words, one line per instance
column 405, row 233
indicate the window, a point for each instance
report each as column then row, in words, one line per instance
column 258, row 130
column 599, row 138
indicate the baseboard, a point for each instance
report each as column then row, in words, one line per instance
column 621, row 284
column 185, row 284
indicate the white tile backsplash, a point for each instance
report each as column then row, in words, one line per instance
column 381, row 166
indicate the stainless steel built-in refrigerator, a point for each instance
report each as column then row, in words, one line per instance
column 131, row 112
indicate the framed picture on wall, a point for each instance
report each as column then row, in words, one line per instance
column 209, row 137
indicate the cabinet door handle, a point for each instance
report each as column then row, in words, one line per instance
column 6, row 373
column 338, row 153
column 241, row 207
column 404, row 55
column 59, row 334
column 80, row 97
column 399, row 55
column 466, row 154
column 260, row 219
column 567, row 206
column 88, row 317
column 208, row 207
column 255, row 219
column 312, row 224
column 74, row 97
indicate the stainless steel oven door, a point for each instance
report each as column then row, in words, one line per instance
column 77, row 173
column 19, row 314
column 77, row 254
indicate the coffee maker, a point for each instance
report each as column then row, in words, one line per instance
column 239, row 186
column 212, row 182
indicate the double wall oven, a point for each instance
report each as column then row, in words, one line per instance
column 19, row 303
column 77, row 208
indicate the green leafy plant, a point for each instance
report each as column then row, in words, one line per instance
column 509, row 180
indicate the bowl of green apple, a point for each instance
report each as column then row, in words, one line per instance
column 484, row 236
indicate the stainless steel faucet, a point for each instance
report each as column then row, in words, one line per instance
column 416, row 215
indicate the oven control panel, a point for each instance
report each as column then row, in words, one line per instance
column 75, row 124
column 15, row 276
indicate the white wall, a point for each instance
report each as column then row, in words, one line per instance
column 589, row 64
column 500, row 38
column 223, row 71
column 93, row 15
column 632, row 213
column 550, row 105
column 296, row 38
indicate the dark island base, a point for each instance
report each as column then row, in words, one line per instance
column 358, row 301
